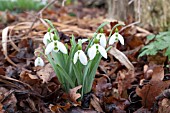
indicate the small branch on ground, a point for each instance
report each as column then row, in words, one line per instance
column 39, row 14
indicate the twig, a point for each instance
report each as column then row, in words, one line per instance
column 63, row 3
column 39, row 14
column 130, row 2
column 139, row 18
column 4, row 44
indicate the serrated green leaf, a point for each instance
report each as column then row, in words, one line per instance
column 161, row 42
column 167, row 53
column 150, row 37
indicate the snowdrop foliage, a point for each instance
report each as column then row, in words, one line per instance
column 116, row 37
column 74, row 68
column 39, row 62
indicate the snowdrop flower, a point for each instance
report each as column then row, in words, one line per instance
column 55, row 46
column 39, row 62
column 81, row 56
column 101, row 37
column 115, row 37
column 93, row 50
column 48, row 37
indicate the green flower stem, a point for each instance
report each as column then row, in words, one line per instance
column 95, row 34
column 112, row 31
column 51, row 25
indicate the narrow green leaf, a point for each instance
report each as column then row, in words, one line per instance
column 58, row 58
column 71, row 55
column 77, row 74
column 92, row 74
column 51, row 25
column 55, row 68
column 65, row 75
column 85, row 73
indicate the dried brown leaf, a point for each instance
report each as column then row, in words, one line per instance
column 46, row 73
column 4, row 44
column 73, row 93
column 142, row 110
column 158, row 73
column 164, row 106
column 150, row 91
column 28, row 78
column 122, row 58
column 124, row 82
column 8, row 99
column 102, row 86
column 1, row 109
column 95, row 103
column 58, row 108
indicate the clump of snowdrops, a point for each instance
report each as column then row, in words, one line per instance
column 76, row 66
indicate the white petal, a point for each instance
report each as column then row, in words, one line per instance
column 47, row 37
column 39, row 62
column 121, row 39
column 82, row 57
column 102, row 51
column 92, row 52
column 61, row 47
column 49, row 48
column 99, row 35
column 75, row 57
column 112, row 39
column 84, row 40
column 103, row 40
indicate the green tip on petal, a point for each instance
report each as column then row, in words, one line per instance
column 96, row 40
column 79, row 47
column 49, row 29
column 101, row 30
column 55, row 37
column 116, row 30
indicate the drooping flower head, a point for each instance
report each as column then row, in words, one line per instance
column 55, row 46
column 48, row 37
column 39, row 62
column 102, row 39
column 116, row 37
column 52, row 44
column 92, row 51
column 80, row 55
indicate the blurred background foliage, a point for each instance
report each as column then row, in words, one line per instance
column 20, row 5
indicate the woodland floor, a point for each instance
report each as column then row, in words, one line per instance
column 116, row 89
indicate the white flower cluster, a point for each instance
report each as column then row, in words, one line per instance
column 99, row 46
